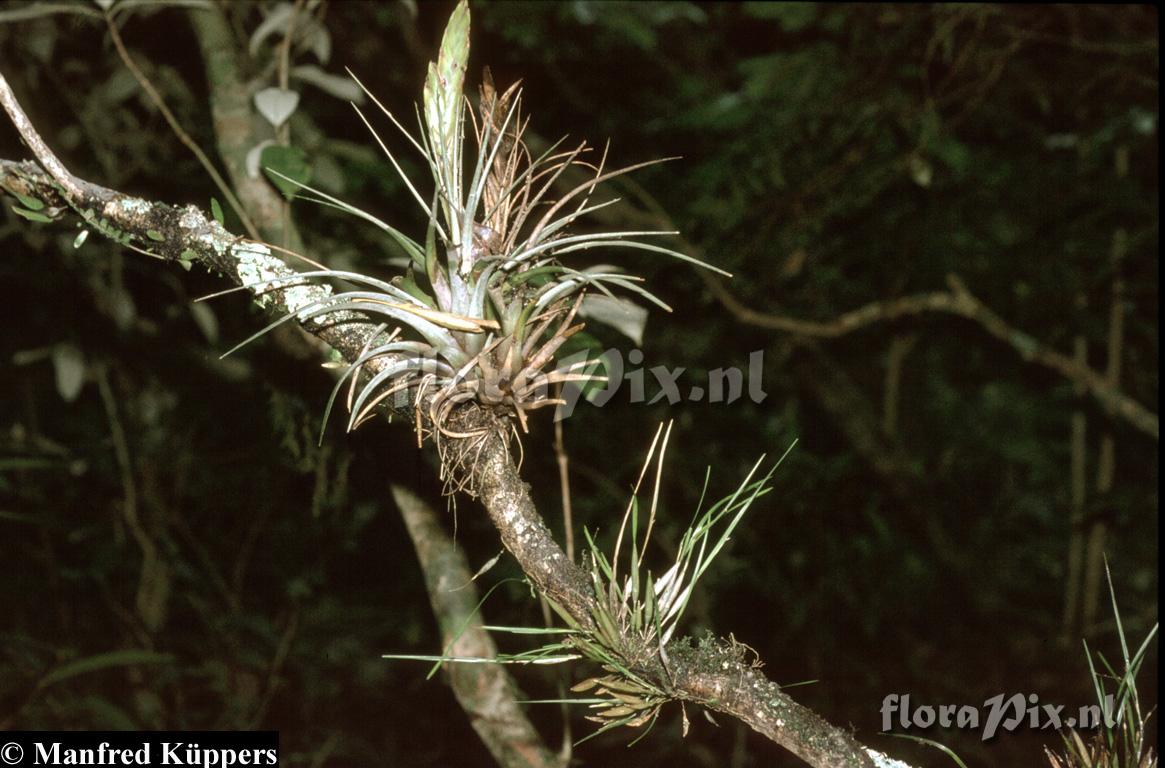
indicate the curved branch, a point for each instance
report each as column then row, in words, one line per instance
column 960, row 302
column 40, row 150
column 957, row 301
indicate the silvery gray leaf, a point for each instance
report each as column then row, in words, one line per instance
column 252, row 161
column 276, row 104
column 624, row 315
column 334, row 85
column 276, row 21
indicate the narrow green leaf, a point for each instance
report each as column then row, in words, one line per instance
column 30, row 203
column 31, row 215
column 286, row 167
column 529, row 630
column 124, row 658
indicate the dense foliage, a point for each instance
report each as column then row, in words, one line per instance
column 164, row 507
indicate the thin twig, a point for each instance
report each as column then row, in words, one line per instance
column 147, row 605
column 1078, row 489
column 900, row 347
column 564, row 484
column 40, row 150
column 282, row 651
column 182, row 135
column 1106, row 463
column 568, row 526
column 957, row 301
column 285, row 46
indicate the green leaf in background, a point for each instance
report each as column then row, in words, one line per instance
column 286, row 161
column 791, row 16
column 30, row 203
column 205, row 319
column 31, row 215
column 216, row 210
column 340, row 87
column 622, row 314
column 124, row 658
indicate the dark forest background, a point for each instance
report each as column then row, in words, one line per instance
column 833, row 156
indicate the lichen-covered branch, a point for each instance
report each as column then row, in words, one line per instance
column 185, row 235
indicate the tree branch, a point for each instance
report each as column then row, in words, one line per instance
column 40, row 150
column 485, row 691
column 960, row 302
column 172, row 233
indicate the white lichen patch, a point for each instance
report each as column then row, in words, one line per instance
column 191, row 218
column 516, row 522
column 265, row 275
column 133, row 206
column 882, row 761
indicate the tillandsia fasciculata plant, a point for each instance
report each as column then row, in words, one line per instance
column 486, row 301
